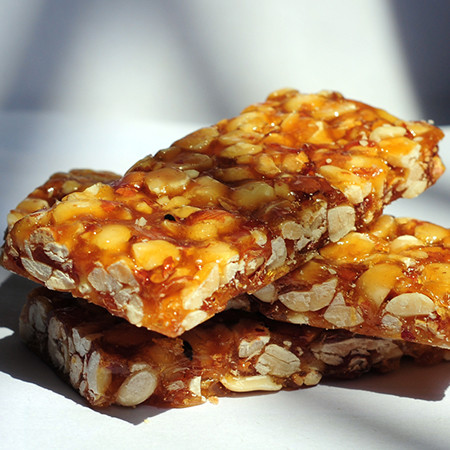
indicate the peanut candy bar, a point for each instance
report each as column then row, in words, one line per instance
column 225, row 210
column 392, row 281
column 109, row 361
column 374, row 284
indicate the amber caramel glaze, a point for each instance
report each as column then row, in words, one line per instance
column 227, row 209
column 56, row 188
column 109, row 361
column 392, row 281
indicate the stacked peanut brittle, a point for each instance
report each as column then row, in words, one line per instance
column 277, row 210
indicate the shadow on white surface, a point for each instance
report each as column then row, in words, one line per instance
column 411, row 380
column 377, row 423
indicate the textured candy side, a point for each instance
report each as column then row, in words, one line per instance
column 392, row 281
column 109, row 361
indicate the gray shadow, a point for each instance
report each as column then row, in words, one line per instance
column 42, row 57
column 355, row 414
column 424, row 33
column 54, row 30
column 427, row 383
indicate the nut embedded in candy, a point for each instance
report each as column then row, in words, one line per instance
column 385, row 282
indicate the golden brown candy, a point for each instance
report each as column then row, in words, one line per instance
column 390, row 281
column 225, row 210
column 109, row 361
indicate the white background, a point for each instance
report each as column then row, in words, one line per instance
column 202, row 60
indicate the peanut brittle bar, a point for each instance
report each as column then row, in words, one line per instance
column 293, row 300
column 225, row 210
column 391, row 281
column 109, row 361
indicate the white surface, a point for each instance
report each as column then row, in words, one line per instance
column 407, row 409
column 201, row 58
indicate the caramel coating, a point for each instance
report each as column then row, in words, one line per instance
column 390, row 281
column 225, row 210
column 56, row 188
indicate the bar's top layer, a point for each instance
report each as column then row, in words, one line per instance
column 56, row 188
column 227, row 209
column 392, row 281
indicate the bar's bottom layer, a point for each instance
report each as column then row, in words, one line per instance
column 109, row 361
